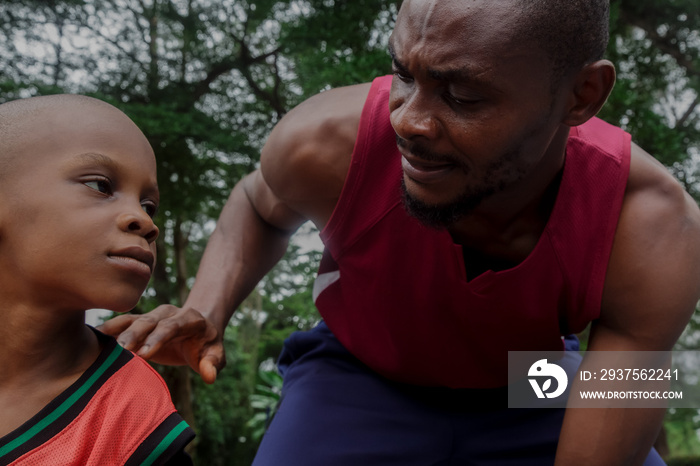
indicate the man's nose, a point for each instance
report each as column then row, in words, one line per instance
column 413, row 116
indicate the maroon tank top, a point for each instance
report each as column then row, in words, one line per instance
column 396, row 295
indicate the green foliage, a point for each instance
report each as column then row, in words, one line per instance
column 264, row 401
column 222, row 409
column 286, row 298
column 689, row 461
column 340, row 42
column 682, row 426
column 656, row 49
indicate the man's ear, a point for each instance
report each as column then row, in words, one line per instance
column 592, row 86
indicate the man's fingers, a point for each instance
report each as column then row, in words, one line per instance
column 117, row 325
column 207, row 371
column 173, row 336
column 131, row 330
column 186, row 324
column 206, row 356
column 212, row 360
column 132, row 338
column 164, row 332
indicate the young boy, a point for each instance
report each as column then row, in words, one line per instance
column 78, row 193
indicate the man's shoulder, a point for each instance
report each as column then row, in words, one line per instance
column 322, row 126
column 654, row 198
column 307, row 156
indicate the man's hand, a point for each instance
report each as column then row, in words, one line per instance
column 172, row 336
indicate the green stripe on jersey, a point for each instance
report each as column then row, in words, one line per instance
column 165, row 443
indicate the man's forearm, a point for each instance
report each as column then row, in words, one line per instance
column 240, row 251
column 607, row 436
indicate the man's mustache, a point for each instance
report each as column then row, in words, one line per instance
column 421, row 151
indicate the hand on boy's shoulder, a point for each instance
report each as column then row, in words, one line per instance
column 173, row 336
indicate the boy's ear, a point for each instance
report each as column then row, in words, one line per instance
column 591, row 88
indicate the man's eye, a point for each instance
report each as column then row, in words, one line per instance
column 402, row 76
column 150, row 208
column 461, row 101
column 102, row 186
column 455, row 100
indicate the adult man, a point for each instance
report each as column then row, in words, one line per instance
column 491, row 106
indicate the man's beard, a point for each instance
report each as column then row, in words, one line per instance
column 501, row 173
column 443, row 216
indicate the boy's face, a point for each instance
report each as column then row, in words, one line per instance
column 76, row 228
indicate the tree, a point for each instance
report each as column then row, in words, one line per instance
column 206, row 80
column 657, row 52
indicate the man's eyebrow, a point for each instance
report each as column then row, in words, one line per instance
column 457, row 75
column 397, row 63
column 447, row 75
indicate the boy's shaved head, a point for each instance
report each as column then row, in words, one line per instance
column 78, row 192
column 21, row 121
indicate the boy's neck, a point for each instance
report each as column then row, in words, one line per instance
column 40, row 357
column 44, row 346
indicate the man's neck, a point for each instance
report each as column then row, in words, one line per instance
column 508, row 225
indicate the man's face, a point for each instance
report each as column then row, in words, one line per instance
column 76, row 228
column 472, row 108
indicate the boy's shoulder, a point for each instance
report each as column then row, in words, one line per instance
column 124, row 382
column 118, row 412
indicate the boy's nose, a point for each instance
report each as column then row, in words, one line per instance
column 139, row 222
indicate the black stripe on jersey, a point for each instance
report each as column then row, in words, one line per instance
column 170, row 437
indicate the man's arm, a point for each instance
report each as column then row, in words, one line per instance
column 303, row 169
column 651, row 290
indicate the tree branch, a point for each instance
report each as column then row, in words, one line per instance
column 662, row 43
column 682, row 121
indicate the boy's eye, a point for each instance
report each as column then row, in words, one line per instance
column 100, row 185
column 150, row 208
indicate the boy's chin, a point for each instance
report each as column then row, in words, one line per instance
column 119, row 306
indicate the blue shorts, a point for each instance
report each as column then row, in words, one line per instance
column 337, row 412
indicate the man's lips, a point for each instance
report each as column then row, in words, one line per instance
column 423, row 171
column 135, row 255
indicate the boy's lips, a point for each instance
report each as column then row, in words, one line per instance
column 135, row 254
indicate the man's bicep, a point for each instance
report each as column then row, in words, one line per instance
column 271, row 209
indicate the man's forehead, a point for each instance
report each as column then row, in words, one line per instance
column 459, row 18
column 477, row 33
column 438, row 12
